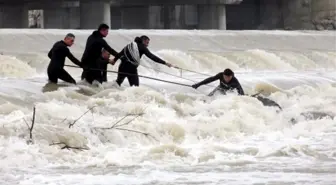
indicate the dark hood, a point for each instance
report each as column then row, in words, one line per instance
column 138, row 40
column 97, row 34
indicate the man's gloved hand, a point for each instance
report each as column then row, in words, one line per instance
column 195, row 86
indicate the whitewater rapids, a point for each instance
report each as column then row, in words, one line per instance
column 193, row 139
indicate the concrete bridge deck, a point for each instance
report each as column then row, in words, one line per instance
column 87, row 14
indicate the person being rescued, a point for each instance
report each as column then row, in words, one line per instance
column 103, row 61
column 228, row 82
column 99, row 73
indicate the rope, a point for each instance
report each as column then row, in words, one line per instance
column 176, row 83
column 192, row 71
column 174, row 75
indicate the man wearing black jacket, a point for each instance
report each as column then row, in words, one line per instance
column 94, row 45
column 227, row 82
column 57, row 56
column 130, row 60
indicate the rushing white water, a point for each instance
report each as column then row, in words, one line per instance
column 193, row 139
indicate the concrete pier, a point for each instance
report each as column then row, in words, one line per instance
column 212, row 17
column 93, row 13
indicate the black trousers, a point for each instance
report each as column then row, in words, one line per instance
column 59, row 73
column 91, row 75
column 132, row 73
column 104, row 73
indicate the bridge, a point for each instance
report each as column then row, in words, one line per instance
column 87, row 14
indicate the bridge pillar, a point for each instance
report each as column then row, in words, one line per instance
column 93, row 13
column 13, row 16
column 212, row 17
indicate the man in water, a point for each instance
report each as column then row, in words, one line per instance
column 227, row 82
column 103, row 61
column 94, row 45
column 57, row 56
column 98, row 72
column 130, row 60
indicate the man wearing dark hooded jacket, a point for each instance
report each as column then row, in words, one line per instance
column 227, row 82
column 130, row 60
column 94, row 45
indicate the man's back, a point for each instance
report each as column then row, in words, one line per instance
column 57, row 54
column 93, row 48
column 233, row 84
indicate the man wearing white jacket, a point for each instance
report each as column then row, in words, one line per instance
column 130, row 60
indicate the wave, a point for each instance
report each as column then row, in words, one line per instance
column 182, row 131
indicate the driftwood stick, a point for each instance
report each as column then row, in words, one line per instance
column 139, row 132
column 31, row 127
column 72, row 124
column 68, row 147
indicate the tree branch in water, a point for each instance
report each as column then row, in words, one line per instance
column 30, row 128
column 139, row 132
column 118, row 127
column 72, row 124
column 68, row 147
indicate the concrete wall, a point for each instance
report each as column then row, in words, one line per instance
column 310, row 14
column 249, row 14
column 282, row 14
column 134, row 17
column 243, row 16
column 271, row 14
column 255, row 14
column 13, row 16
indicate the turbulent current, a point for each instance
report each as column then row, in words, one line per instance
column 164, row 133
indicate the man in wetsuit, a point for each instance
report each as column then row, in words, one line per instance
column 94, row 45
column 227, row 82
column 130, row 60
column 57, row 56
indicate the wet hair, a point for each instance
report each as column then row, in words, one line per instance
column 103, row 27
column 70, row 35
column 144, row 37
column 228, row 72
column 141, row 38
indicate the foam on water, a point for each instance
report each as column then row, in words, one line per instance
column 192, row 139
